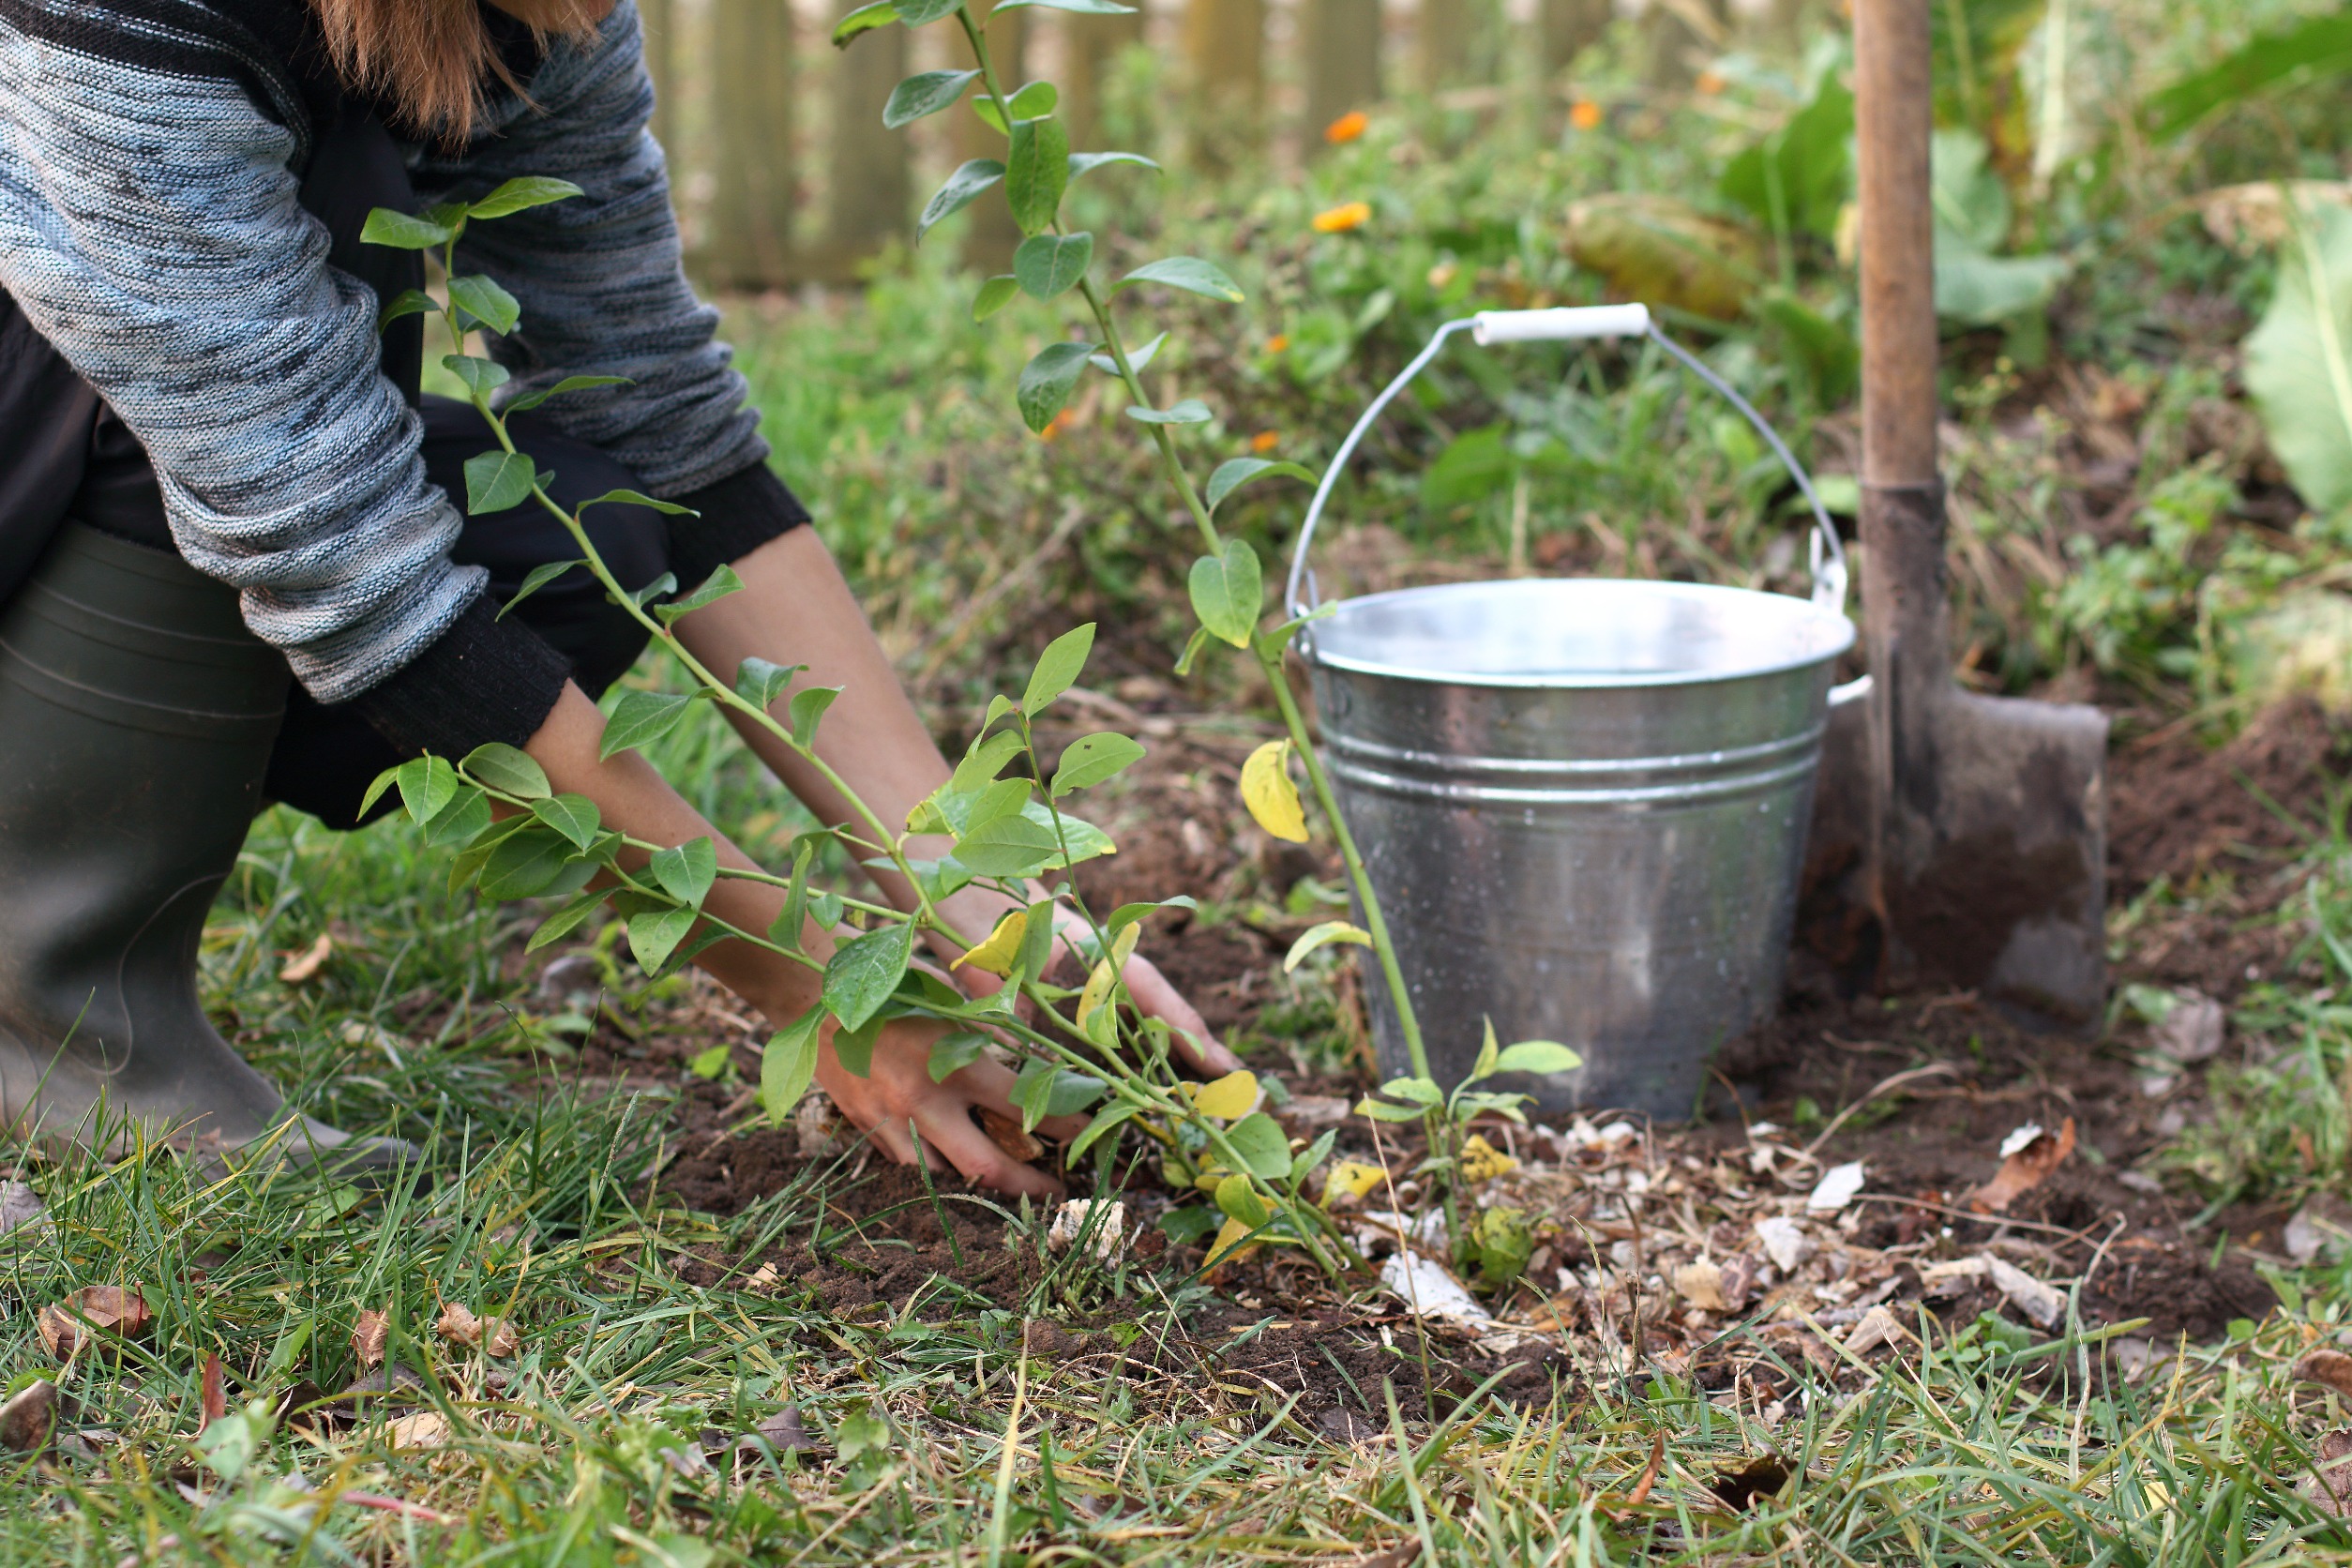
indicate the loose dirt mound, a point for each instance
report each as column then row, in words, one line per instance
column 2176, row 809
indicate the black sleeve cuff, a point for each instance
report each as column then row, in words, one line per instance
column 482, row 680
column 740, row 513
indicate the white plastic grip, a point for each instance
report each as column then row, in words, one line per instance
column 1560, row 323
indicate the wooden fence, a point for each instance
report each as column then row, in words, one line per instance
column 784, row 173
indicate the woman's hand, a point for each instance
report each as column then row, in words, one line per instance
column 899, row 1089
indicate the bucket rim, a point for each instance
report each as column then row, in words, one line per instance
column 1312, row 650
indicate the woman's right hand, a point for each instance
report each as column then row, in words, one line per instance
column 898, row 1090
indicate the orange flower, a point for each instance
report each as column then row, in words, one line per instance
column 1584, row 115
column 1710, row 83
column 1347, row 126
column 1278, row 342
column 1265, row 442
column 1066, row 421
column 1339, row 219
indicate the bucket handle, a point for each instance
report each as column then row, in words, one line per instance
column 1825, row 556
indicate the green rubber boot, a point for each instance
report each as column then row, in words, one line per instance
column 136, row 719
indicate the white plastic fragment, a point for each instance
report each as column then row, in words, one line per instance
column 1785, row 1242
column 1837, row 1189
column 2019, row 1139
column 1428, row 1291
column 1069, row 1223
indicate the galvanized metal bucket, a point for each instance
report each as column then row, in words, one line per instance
column 1582, row 801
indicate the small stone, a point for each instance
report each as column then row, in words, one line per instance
column 2193, row 1030
column 18, row 1205
column 1347, row 1427
column 819, row 1127
column 1070, row 1221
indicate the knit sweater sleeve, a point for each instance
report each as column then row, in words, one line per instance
column 150, row 230
column 600, row 276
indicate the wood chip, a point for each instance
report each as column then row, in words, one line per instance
column 306, row 964
column 2024, row 1170
column 66, row 1326
column 1009, row 1136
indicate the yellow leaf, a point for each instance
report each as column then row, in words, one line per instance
column 1097, row 991
column 1234, row 1095
column 1483, row 1162
column 1003, row 945
column 1228, row 1237
column 1349, row 1179
column 1122, row 947
column 1322, row 936
column 1271, row 798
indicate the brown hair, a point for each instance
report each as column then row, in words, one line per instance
column 432, row 59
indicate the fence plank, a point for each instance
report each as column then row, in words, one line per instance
column 989, row 232
column 1565, row 29
column 1091, row 48
column 1225, row 49
column 866, row 189
column 1342, row 43
column 751, row 207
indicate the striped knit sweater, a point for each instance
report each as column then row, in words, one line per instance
column 150, row 156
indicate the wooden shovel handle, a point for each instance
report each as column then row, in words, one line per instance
column 1893, row 115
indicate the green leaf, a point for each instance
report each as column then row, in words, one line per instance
column 1036, row 172
column 495, row 481
column 984, row 762
column 1034, row 101
column 525, row 190
column 1080, row 7
column 951, row 1053
column 759, row 682
column 400, row 232
column 1234, row 473
column 964, row 187
column 1227, row 589
column 1380, row 1110
column 640, row 718
column 2299, row 359
column 864, row 971
column 573, row 816
column 1193, row 644
column 687, row 872
column 530, row 401
column 1538, row 1056
column 639, row 498
column 808, row 706
column 720, row 584
column 825, row 909
column 1303, row 1163
column 1003, row 798
column 1043, row 1090
column 384, row 781
column 507, row 769
column 1420, row 1091
column 785, row 930
column 1092, row 759
column 924, row 95
column 408, row 302
column 1258, row 1139
column 1009, row 848
column 1050, row 265
column 540, row 577
column 1189, row 273
column 1110, row 1117
column 480, row 299
column 656, row 934
column 788, row 1064
column 524, row 865
column 1801, row 175
column 467, row 814
column 1046, row 381
column 563, row 922
column 1086, row 163
column 1139, row 360
column 481, row 376
column 2314, row 51
column 994, row 296
column 875, row 13
column 1038, row 940
column 1058, row 669
column 428, row 785
column 1127, row 914
column 918, row 13
column 665, row 584
column 1191, row 411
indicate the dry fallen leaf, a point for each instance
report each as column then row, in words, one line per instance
column 103, row 1308
column 1701, row 1284
column 1009, row 1136
column 424, row 1430
column 2331, row 1367
column 1878, row 1327
column 1758, row 1478
column 1837, row 1189
column 2330, row 1481
column 2025, row 1170
column 492, row 1335
column 367, row 1336
column 304, row 964
column 28, row 1420
column 1737, row 1280
column 783, row 1430
column 213, row 1398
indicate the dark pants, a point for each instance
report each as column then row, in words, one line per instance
column 327, row 756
